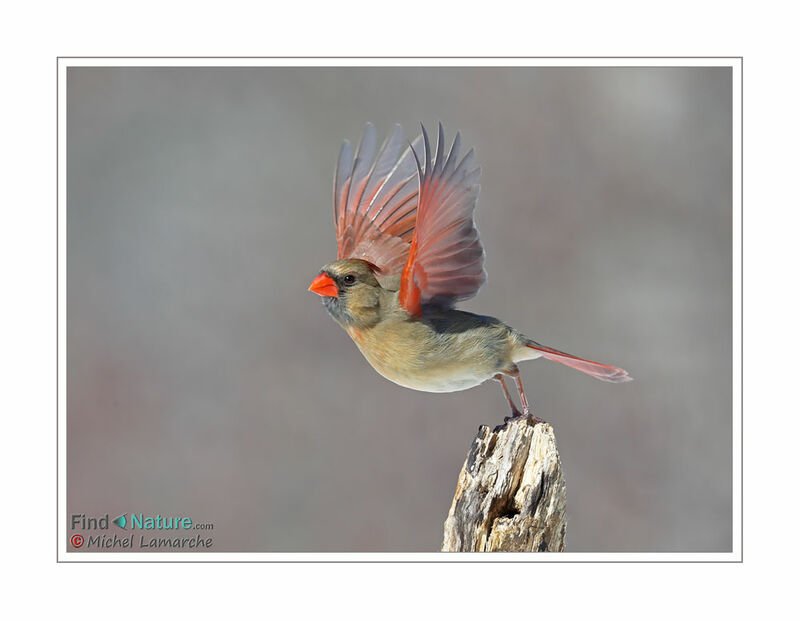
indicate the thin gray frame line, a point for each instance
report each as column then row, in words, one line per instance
column 741, row 329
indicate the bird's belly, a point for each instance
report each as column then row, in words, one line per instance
column 434, row 382
column 430, row 371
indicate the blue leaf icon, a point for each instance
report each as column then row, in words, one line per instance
column 120, row 521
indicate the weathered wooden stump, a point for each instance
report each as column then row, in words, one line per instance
column 511, row 494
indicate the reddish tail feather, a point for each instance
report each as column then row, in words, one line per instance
column 604, row 372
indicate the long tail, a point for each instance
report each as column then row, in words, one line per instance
column 604, row 372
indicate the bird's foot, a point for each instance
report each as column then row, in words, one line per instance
column 516, row 414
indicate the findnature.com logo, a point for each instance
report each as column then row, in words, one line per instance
column 177, row 526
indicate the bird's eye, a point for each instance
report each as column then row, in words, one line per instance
column 349, row 279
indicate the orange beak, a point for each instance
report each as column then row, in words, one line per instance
column 324, row 286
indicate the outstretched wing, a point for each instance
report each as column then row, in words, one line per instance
column 375, row 200
column 445, row 262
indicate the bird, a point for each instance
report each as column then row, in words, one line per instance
column 408, row 251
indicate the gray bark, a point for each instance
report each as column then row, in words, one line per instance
column 511, row 494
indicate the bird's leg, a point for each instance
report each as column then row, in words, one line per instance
column 526, row 410
column 514, row 411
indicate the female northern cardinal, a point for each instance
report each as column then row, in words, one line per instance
column 408, row 251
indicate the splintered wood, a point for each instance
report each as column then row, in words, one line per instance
column 511, row 494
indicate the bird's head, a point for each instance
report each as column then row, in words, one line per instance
column 350, row 292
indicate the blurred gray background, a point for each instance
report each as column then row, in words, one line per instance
column 205, row 380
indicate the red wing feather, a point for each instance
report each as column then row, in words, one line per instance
column 375, row 201
column 445, row 262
